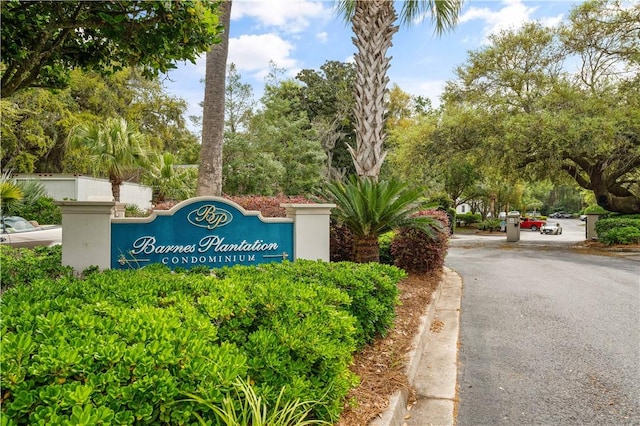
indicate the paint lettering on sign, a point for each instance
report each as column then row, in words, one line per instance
column 210, row 217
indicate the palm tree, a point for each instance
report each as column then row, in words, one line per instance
column 10, row 192
column 168, row 180
column 373, row 23
column 210, row 171
column 369, row 208
column 113, row 148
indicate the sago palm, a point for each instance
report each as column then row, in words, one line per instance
column 374, row 24
column 369, row 208
column 10, row 192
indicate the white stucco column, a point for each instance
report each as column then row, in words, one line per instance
column 310, row 230
column 86, row 234
column 590, row 226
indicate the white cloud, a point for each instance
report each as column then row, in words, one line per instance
column 512, row 14
column 322, row 37
column 253, row 52
column 552, row 21
column 288, row 15
column 431, row 89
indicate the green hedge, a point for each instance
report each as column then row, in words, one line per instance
column 125, row 347
column 43, row 210
column 21, row 266
column 624, row 229
column 468, row 218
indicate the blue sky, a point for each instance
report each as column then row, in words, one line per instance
column 304, row 34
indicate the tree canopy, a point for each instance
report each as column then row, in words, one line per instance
column 517, row 103
column 43, row 40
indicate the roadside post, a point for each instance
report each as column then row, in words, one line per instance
column 590, row 228
column 513, row 226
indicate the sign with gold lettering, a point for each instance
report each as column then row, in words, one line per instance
column 209, row 231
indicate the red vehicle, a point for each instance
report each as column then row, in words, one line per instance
column 533, row 224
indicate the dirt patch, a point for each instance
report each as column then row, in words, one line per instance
column 597, row 245
column 381, row 365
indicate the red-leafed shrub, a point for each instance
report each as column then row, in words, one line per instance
column 416, row 252
column 340, row 243
column 268, row 206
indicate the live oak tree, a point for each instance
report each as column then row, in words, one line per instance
column 36, row 122
column 526, row 111
column 374, row 24
column 42, row 41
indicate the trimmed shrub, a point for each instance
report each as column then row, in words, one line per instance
column 595, row 209
column 384, row 241
column 605, row 225
column 371, row 287
column 468, row 218
column 268, row 206
column 619, row 229
column 340, row 243
column 43, row 210
column 126, row 347
column 415, row 252
column 622, row 235
column 22, row 266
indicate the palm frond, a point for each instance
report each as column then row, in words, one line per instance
column 370, row 208
column 443, row 13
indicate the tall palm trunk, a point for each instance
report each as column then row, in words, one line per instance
column 373, row 26
column 116, row 182
column 366, row 249
column 210, row 171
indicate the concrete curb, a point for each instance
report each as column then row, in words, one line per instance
column 432, row 363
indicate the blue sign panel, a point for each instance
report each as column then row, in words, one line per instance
column 207, row 231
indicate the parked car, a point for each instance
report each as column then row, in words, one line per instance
column 560, row 215
column 529, row 223
column 551, row 228
column 19, row 232
column 583, row 217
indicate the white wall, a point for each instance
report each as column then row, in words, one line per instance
column 62, row 187
column 133, row 193
column 463, row 208
column 88, row 187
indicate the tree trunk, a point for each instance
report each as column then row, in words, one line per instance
column 626, row 204
column 115, row 188
column 373, row 26
column 366, row 250
column 210, row 171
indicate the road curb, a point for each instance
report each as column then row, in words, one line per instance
column 428, row 410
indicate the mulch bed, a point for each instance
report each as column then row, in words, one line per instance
column 381, row 365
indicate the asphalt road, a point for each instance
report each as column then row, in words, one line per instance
column 548, row 336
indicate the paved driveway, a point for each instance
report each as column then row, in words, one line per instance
column 548, row 337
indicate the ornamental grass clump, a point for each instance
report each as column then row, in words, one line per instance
column 244, row 407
